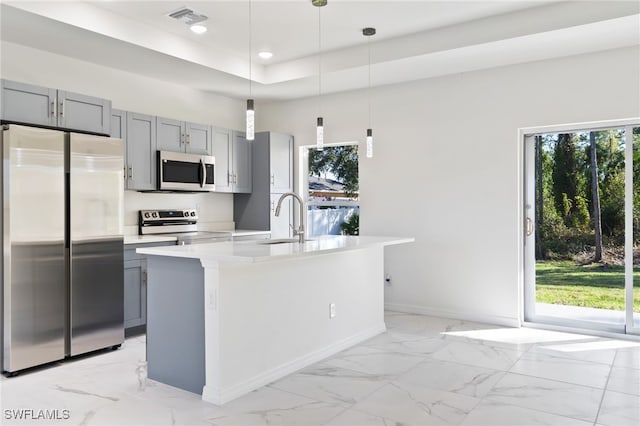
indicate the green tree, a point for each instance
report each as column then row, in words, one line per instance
column 565, row 179
column 341, row 161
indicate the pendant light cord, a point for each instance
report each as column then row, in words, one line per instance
column 250, row 39
column 319, row 64
column 369, row 83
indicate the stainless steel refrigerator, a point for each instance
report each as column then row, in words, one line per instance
column 62, row 251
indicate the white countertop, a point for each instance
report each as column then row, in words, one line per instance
column 144, row 239
column 158, row 238
column 248, row 232
column 252, row 251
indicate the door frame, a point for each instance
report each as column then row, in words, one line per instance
column 526, row 307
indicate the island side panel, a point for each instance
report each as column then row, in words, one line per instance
column 274, row 316
column 175, row 322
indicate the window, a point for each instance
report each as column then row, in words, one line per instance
column 332, row 190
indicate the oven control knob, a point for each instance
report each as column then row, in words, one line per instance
column 193, row 213
column 154, row 214
column 146, row 215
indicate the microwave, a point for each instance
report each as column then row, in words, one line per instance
column 178, row 171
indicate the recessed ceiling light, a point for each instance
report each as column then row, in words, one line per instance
column 198, row 28
column 265, row 55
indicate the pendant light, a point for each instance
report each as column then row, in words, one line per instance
column 319, row 121
column 250, row 130
column 368, row 32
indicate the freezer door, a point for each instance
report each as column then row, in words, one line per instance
column 96, row 251
column 33, row 252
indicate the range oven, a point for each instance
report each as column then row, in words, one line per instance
column 181, row 224
column 178, row 171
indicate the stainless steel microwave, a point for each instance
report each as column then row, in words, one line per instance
column 178, row 171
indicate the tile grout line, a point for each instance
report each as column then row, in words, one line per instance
column 606, row 384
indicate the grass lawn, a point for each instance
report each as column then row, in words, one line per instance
column 592, row 286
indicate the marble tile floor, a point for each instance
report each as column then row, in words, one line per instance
column 422, row 371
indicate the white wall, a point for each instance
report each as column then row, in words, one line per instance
column 446, row 169
column 133, row 92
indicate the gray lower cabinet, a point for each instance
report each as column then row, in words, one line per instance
column 135, row 293
column 141, row 151
column 135, row 284
column 233, row 154
column 44, row 106
column 181, row 136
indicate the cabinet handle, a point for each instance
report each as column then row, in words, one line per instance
column 229, row 178
column 124, row 172
column 53, row 109
column 273, row 205
column 188, row 139
column 235, row 178
column 130, row 172
column 62, row 109
column 144, row 277
column 273, row 179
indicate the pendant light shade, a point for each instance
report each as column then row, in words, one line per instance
column 250, row 132
column 250, row 127
column 368, row 32
column 320, row 134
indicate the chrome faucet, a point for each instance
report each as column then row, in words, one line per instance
column 300, row 231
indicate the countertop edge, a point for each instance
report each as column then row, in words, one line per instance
column 223, row 252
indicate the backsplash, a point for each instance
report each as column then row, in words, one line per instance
column 215, row 211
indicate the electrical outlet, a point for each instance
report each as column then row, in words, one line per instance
column 332, row 310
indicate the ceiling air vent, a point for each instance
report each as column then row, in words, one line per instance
column 189, row 16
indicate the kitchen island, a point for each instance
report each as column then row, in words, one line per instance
column 226, row 318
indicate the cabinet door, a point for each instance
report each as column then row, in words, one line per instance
column 119, row 130
column 135, row 293
column 170, row 135
column 198, row 138
column 222, row 152
column 281, row 162
column 141, row 151
column 280, row 225
column 25, row 103
column 242, row 163
column 81, row 112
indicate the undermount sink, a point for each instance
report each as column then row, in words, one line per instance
column 279, row 241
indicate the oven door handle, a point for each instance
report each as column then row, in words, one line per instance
column 203, row 174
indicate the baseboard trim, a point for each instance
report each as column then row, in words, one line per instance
column 465, row 316
column 221, row 396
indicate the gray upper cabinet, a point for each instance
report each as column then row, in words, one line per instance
column 119, row 130
column 242, row 163
column 280, row 160
column 43, row 106
column 233, row 161
column 272, row 173
column 222, row 148
column 180, row 136
column 25, row 103
column 199, row 138
column 141, row 151
column 83, row 112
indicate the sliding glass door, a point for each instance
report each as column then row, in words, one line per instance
column 582, row 226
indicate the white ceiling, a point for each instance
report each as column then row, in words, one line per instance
column 414, row 40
